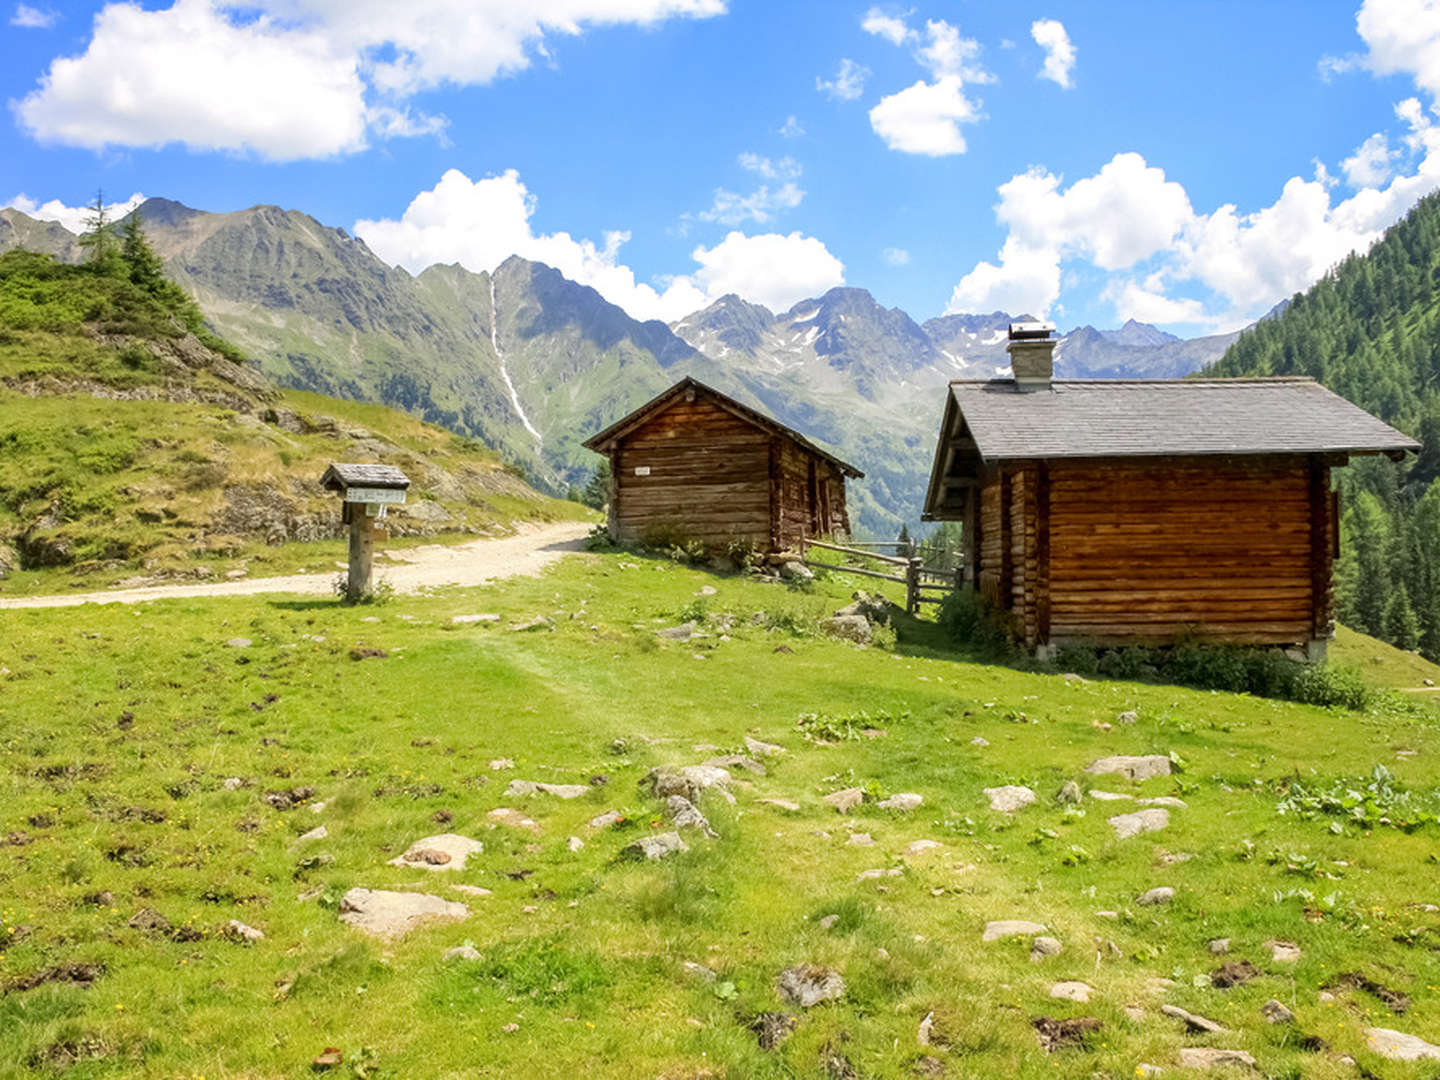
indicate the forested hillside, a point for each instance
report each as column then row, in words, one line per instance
column 1370, row 330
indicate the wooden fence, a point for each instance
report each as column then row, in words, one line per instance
column 922, row 585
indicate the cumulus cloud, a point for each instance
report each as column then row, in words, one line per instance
column 287, row 79
column 925, row 118
column 480, row 223
column 1050, row 35
column 33, row 18
column 780, row 192
column 889, row 27
column 72, row 217
column 848, row 83
column 1402, row 37
column 896, row 256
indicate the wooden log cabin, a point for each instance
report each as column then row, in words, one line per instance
column 1109, row 512
column 694, row 464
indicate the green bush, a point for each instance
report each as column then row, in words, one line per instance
column 971, row 621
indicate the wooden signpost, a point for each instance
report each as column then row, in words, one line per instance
column 367, row 490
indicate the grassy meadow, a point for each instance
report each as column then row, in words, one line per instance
column 120, row 725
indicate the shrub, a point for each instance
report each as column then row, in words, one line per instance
column 970, row 620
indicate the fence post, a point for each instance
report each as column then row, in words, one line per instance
column 912, row 586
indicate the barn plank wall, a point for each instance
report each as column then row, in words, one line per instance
column 992, row 576
column 1158, row 550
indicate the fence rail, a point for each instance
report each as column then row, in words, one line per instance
column 912, row 573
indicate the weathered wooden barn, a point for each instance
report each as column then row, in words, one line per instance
column 1151, row 511
column 696, row 464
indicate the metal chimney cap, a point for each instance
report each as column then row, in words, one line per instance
column 1029, row 331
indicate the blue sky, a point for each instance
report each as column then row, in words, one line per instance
column 1187, row 164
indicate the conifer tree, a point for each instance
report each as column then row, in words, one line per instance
column 98, row 239
column 144, row 266
column 1400, row 626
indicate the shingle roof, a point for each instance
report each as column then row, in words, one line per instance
column 340, row 476
column 1122, row 418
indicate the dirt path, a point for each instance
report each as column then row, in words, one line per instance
column 407, row 570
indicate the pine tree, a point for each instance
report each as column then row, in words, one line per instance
column 1401, row 626
column 903, row 543
column 98, row 239
column 145, row 268
column 597, row 489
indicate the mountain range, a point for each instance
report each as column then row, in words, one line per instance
column 532, row 362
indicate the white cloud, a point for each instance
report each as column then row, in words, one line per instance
column 848, row 83
column 762, row 204
column 33, row 18
column 1371, row 164
column 925, row 118
column 72, row 217
column 888, row 27
column 480, row 223
column 288, row 79
column 791, row 129
column 1402, row 36
column 1025, row 281
column 1050, row 35
column 896, row 256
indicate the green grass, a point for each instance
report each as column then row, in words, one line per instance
column 121, row 724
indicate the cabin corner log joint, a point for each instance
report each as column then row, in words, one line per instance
column 697, row 465
column 1151, row 512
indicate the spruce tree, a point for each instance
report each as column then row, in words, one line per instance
column 144, row 266
column 597, row 490
column 98, row 239
column 1401, row 625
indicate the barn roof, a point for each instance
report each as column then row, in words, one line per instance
column 601, row 441
column 338, row 477
column 1157, row 417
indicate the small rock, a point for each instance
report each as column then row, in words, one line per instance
column 1043, row 946
column 317, row 833
column 808, row 985
column 1193, row 1021
column 1143, row 821
column 854, row 628
column 1003, row 928
column 738, row 761
column 461, row 952
column 1010, row 798
column 1165, row 800
column 1219, row 946
column 448, row 851
column 920, row 847
column 1398, row 1046
column 234, row 783
column 574, row 843
column 500, row 764
column 828, row 922
column 656, row 846
column 979, row 740
column 239, row 643
column 1162, row 895
column 762, row 749
column 1109, row 796
column 904, row 801
column 1276, row 1012
column 470, row 620
column 1127, row 717
column 1068, row 793
column 872, row 875
column 688, row 780
column 1136, row 768
column 686, row 815
column 683, row 632
column 237, row 929
column 1208, row 1057
column 1284, row 952
column 860, row 839
column 783, row 804
column 794, row 570
column 1072, row 991
column 319, row 807
column 504, row 815
column 1134, row 1013
column 389, row 914
column 472, row 890
column 521, row 788
column 844, row 800
column 605, row 820
column 532, row 625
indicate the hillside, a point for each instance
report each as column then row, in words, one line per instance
column 134, row 441
column 173, row 794
column 1369, row 330
column 532, row 363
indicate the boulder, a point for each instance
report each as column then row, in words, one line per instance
column 9, row 559
column 873, row 608
column 655, row 846
column 1398, row 1046
column 796, row 571
column 904, row 801
column 1143, row 821
column 448, row 851
column 385, row 914
column 1009, row 798
column 844, row 800
column 854, row 628
column 1136, row 768
column 1003, row 928
column 520, row 788
column 687, row 780
column 808, row 985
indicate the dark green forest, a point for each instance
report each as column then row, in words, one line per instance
column 1370, row 330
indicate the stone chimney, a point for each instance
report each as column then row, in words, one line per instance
column 1032, row 354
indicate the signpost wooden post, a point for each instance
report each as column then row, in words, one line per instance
column 367, row 490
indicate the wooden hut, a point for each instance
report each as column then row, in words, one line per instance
column 695, row 464
column 1149, row 512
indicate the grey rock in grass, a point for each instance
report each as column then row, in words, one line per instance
column 698, row 971
column 1143, row 821
column 874, row 875
column 514, row 819
column 854, row 628
column 654, row 847
column 472, row 890
column 980, row 740
column 860, row 839
column 794, row 570
column 844, row 800
column 1209, row 1057
column 1004, row 928
column 761, row 749
column 809, row 985
column 238, row 930
column 520, row 788
column 687, row 780
column 574, row 844
column 605, row 820
column 386, row 914
column 461, row 952
column 1072, row 991
column 1109, row 796
column 1165, row 800
column 1398, row 1046
column 1219, row 946
column 529, row 626
column 1009, row 798
column 471, row 620
column 239, row 643
column 1127, row 717
column 1193, row 1021
column 782, row 804
column 686, row 815
column 683, row 632
column 1154, row 897
column 1069, row 792
column 1276, row 1012
column 501, row 764
column 448, row 851
column 827, row 922
column 738, row 761
column 234, row 783
column 1136, row 768
column 1044, row 946
column 1284, row 952
column 904, row 801
column 320, row 832
column 920, row 847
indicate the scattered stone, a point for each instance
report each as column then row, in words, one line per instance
column 1158, row 984
column 1165, row 800
column 920, row 847
column 472, row 890
column 234, row 783
column 389, row 914
column 1154, row 897
column 808, row 985
column 783, row 804
column 605, row 820
column 762, row 749
column 503, row 815
column 854, row 628
column 698, row 971
column 448, row 851
column 828, row 922
column 1143, row 821
column 1059, row 1034
column 772, row 1028
column 1233, row 973
column 574, row 843
column 1009, row 798
column 500, row 764
column 844, row 800
column 1193, row 1021
column 794, row 570
column 737, row 761
column 687, row 780
column 683, row 632
column 531, row 625
column 320, row 832
column 1003, row 928
column 1219, row 946
column 657, row 846
column 905, row 801
column 1209, row 1057
column 521, row 788
column 461, row 952
column 1072, row 991
column 1398, row 1046
column 861, row 839
column 318, row 807
column 872, row 875
column 1107, row 914
column 470, row 620
column 1043, row 946
column 1166, row 858
column 1275, row 1012
column 1069, row 792
column 1284, row 952
column 686, row 815
column 979, row 740
column 1136, row 768
column 239, row 643
column 1109, row 796
column 1127, row 717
